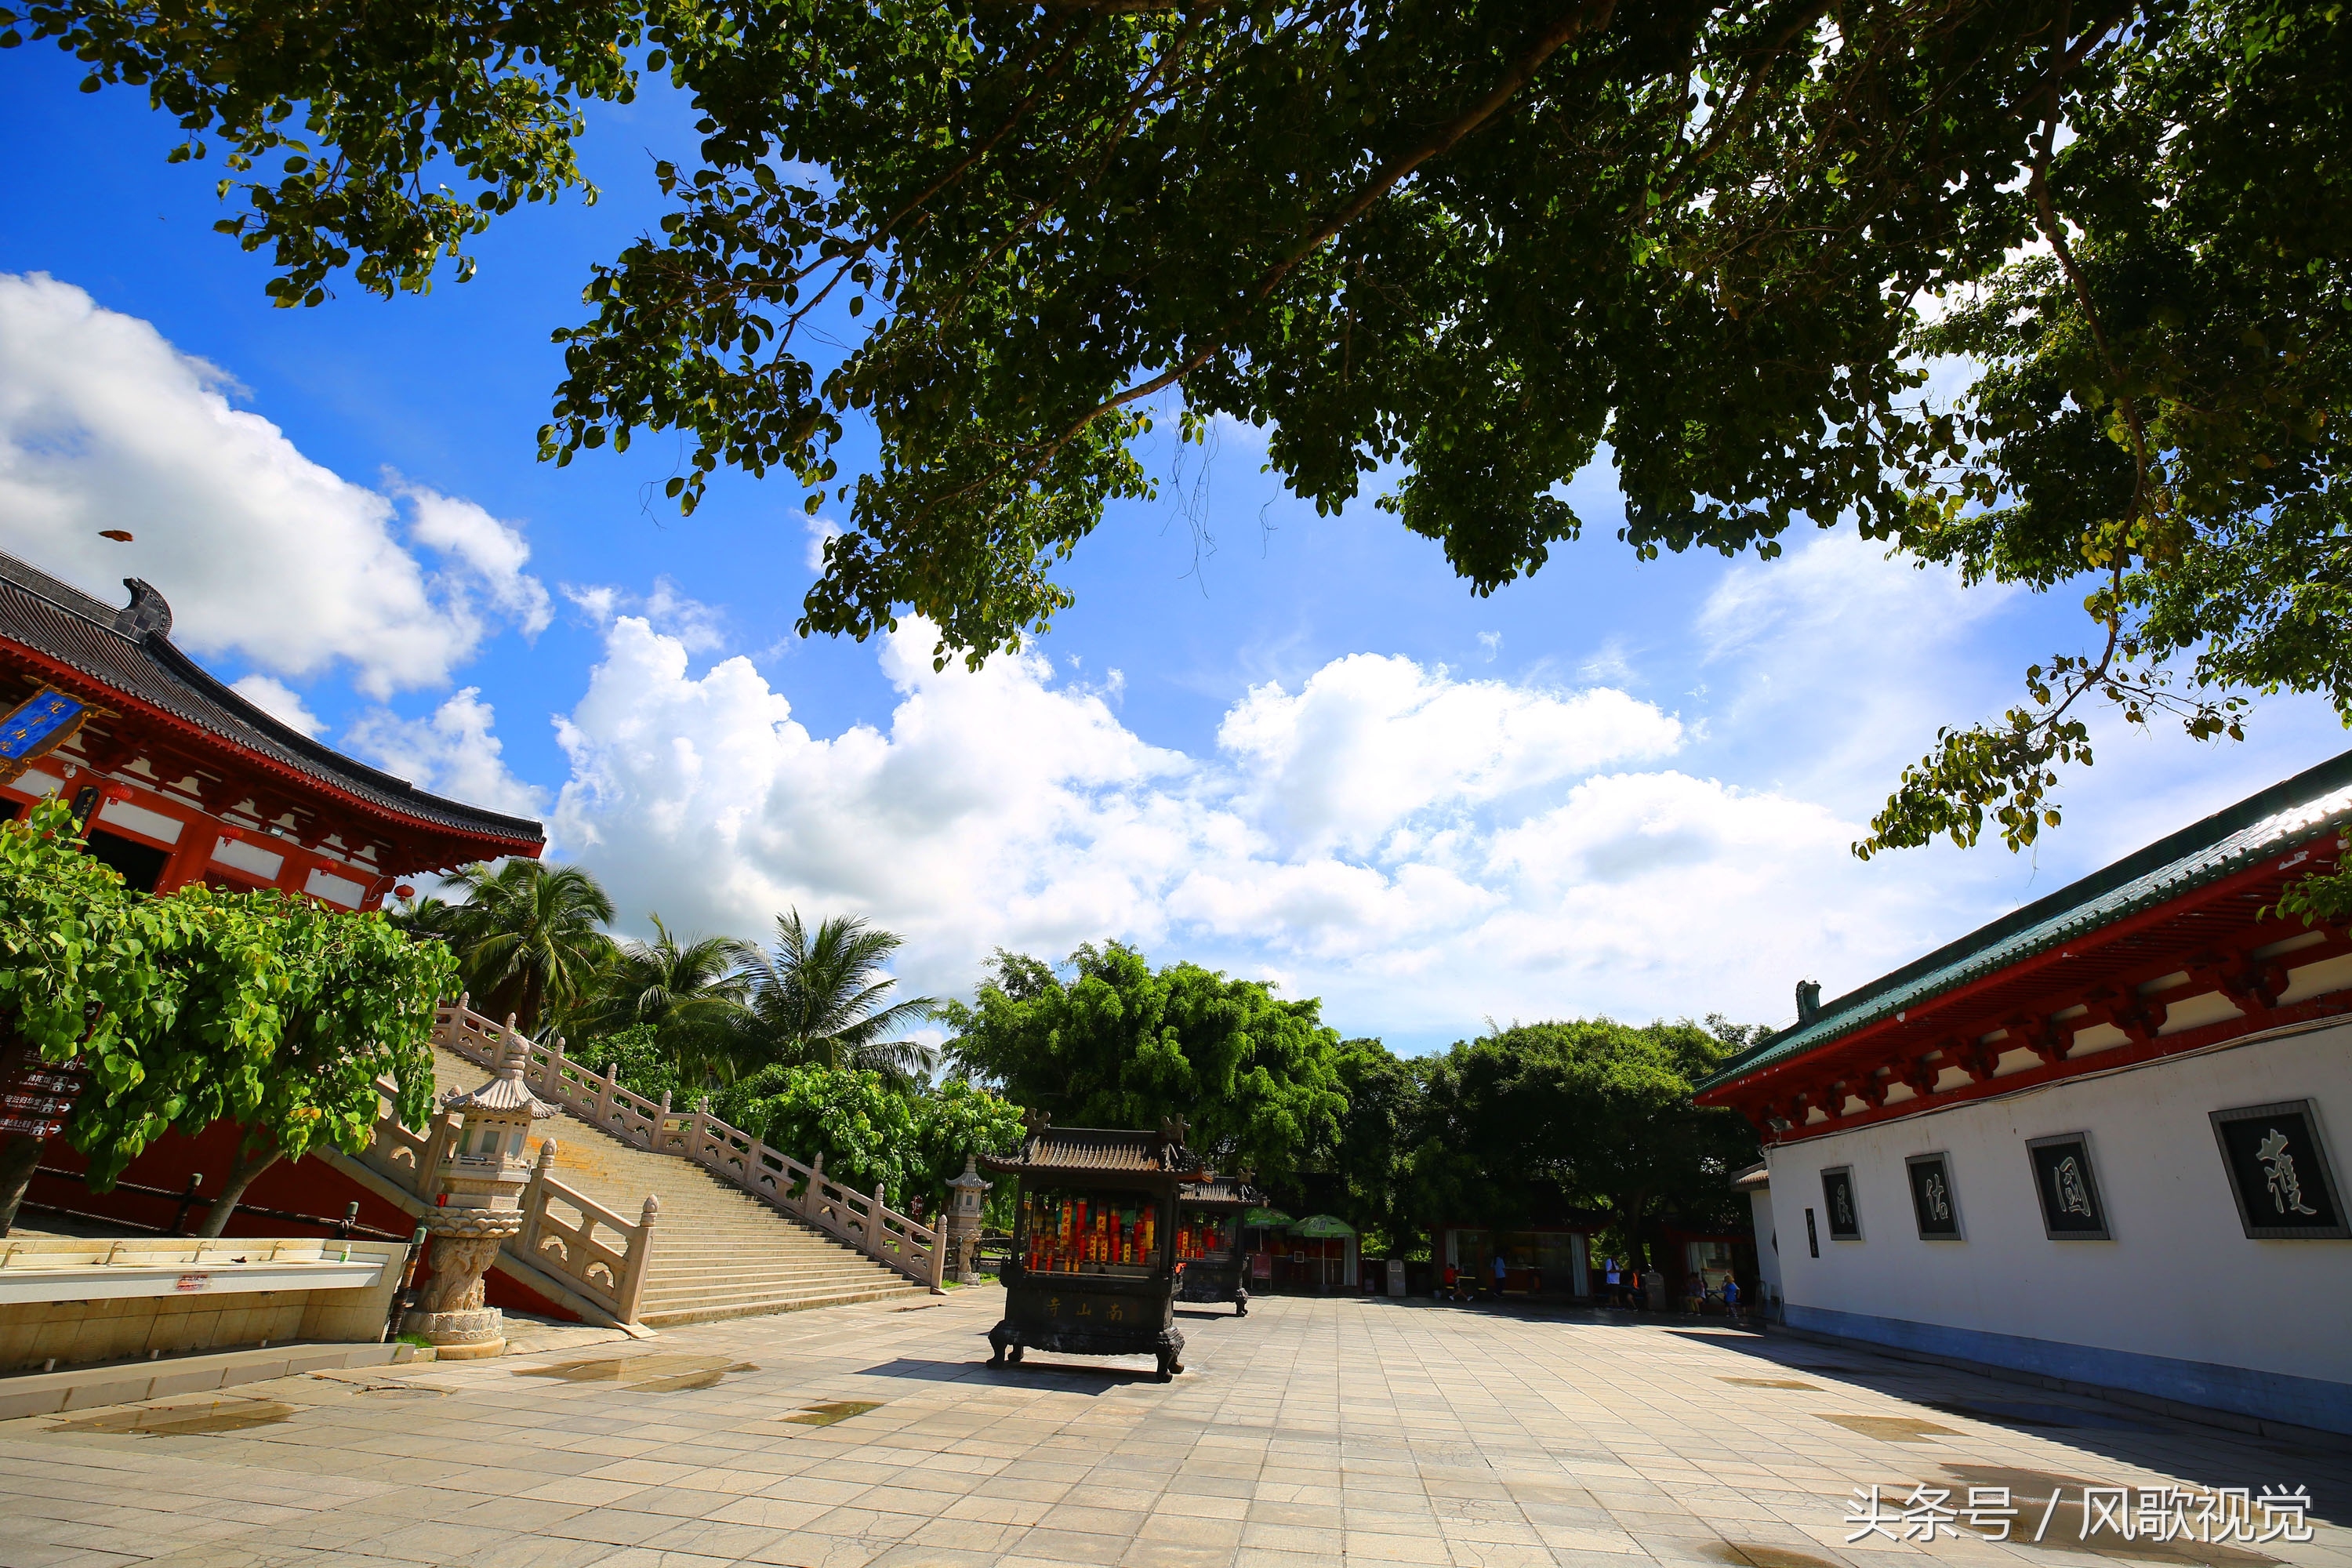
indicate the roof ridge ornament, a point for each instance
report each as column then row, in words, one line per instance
column 148, row 613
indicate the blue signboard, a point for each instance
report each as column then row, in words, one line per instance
column 38, row 726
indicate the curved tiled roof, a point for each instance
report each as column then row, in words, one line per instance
column 1097, row 1151
column 1220, row 1191
column 129, row 651
column 2315, row 803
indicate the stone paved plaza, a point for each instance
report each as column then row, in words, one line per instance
column 1311, row 1433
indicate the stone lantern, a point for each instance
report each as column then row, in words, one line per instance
column 479, row 1181
column 963, row 1222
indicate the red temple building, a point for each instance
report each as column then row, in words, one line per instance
column 181, row 780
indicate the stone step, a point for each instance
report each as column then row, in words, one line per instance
column 772, row 1284
column 712, row 1312
column 738, row 1294
column 718, row 1251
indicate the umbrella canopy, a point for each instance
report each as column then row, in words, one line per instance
column 1322, row 1226
column 1266, row 1218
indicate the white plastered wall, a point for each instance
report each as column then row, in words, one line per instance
column 2180, row 1278
column 1768, row 1254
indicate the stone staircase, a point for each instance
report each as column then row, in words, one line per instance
column 718, row 1252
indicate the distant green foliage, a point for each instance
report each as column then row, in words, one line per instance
column 1122, row 1046
column 862, row 1126
column 1587, row 1113
column 646, row 1065
column 1373, row 1156
column 870, row 1130
column 269, row 1011
column 529, row 937
column 687, row 997
column 954, row 1121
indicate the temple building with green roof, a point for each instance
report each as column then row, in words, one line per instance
column 2100, row 1141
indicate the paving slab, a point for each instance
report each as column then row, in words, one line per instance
column 1313, row 1432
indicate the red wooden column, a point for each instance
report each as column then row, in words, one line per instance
column 190, row 857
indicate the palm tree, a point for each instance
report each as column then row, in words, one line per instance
column 819, row 1000
column 692, row 993
column 529, row 938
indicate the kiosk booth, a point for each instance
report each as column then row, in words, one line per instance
column 1210, row 1263
column 1093, row 1265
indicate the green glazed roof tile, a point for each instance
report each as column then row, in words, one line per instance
column 2312, row 805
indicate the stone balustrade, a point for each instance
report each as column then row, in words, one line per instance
column 565, row 1234
column 862, row 1220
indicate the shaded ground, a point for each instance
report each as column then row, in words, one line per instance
column 1311, row 1433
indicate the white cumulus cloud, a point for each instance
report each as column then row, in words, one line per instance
column 263, row 552
column 452, row 751
column 1369, row 742
column 1420, row 849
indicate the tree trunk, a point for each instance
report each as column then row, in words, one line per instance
column 534, row 997
column 18, row 1156
column 240, row 1176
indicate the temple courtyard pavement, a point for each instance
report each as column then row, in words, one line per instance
column 1313, row 1432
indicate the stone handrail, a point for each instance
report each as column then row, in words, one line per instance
column 862, row 1220
column 595, row 1252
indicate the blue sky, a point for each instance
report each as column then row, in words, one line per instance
column 1283, row 745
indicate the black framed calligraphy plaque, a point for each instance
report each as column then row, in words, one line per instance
column 1933, row 1202
column 2280, row 1173
column 2072, row 1208
column 1838, row 1203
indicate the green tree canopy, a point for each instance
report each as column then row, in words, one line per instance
column 1123, row 1046
column 684, row 1002
column 822, row 999
column 271, row 1012
column 862, row 1124
column 529, row 938
column 954, row 1122
column 1467, row 246
column 1372, row 1156
column 1540, row 1117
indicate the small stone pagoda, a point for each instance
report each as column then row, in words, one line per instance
column 480, row 1182
column 1209, row 1262
column 1093, row 1269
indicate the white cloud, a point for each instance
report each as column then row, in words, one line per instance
column 668, row 609
column 1371, row 740
column 262, row 552
column 452, row 753
column 493, row 551
column 280, row 701
column 1420, row 849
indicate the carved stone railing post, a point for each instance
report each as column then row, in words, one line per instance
column 441, row 1128
column 641, row 1252
column 878, row 1234
column 534, row 1201
column 605, row 1094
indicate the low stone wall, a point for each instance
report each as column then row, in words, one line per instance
column 72, row 1301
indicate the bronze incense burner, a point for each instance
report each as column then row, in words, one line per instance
column 1093, row 1269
